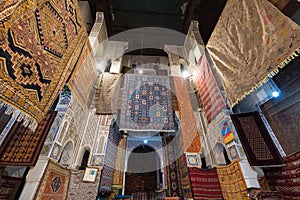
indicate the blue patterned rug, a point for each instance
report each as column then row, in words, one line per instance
column 146, row 104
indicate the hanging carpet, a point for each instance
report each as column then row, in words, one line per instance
column 205, row 183
column 146, row 104
column 82, row 79
column 258, row 145
column 40, row 44
column 232, row 182
column 286, row 180
column 22, row 146
column 250, row 42
column 108, row 89
column 54, row 183
column 210, row 94
column 189, row 130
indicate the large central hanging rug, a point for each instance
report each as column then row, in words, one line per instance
column 146, row 104
column 205, row 183
column 54, row 184
column 40, row 44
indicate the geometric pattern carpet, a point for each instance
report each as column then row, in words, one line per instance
column 146, row 104
column 205, row 183
column 286, row 180
column 232, row 182
column 80, row 190
column 256, row 140
column 22, row 146
column 54, row 183
column 40, row 42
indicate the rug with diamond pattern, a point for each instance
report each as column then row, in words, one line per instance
column 258, row 145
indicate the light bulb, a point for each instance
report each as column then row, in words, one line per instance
column 185, row 74
column 275, row 94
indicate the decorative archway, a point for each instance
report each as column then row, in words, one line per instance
column 67, row 154
column 143, row 171
column 221, row 155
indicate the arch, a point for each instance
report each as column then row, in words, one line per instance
column 101, row 144
column 218, row 154
column 143, row 172
column 145, row 154
column 66, row 157
column 85, row 160
column 83, row 156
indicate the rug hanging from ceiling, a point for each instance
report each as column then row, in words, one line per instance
column 232, row 182
column 119, row 164
column 250, row 42
column 108, row 89
column 210, row 94
column 172, row 169
column 186, row 188
column 22, row 146
column 146, row 104
column 7, row 8
column 80, row 190
column 286, row 180
column 205, row 183
column 9, row 187
column 54, row 183
column 106, row 179
column 283, row 115
column 255, row 138
column 82, row 79
column 38, row 54
column 189, row 130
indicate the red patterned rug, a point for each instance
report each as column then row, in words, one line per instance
column 286, row 180
column 210, row 94
column 22, row 146
column 54, row 184
column 205, row 184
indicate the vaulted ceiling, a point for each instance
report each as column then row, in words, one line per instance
column 123, row 15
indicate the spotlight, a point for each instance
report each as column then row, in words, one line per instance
column 275, row 94
column 185, row 74
column 145, row 141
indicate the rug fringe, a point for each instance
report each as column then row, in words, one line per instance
column 291, row 57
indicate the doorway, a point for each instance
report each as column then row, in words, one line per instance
column 143, row 176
